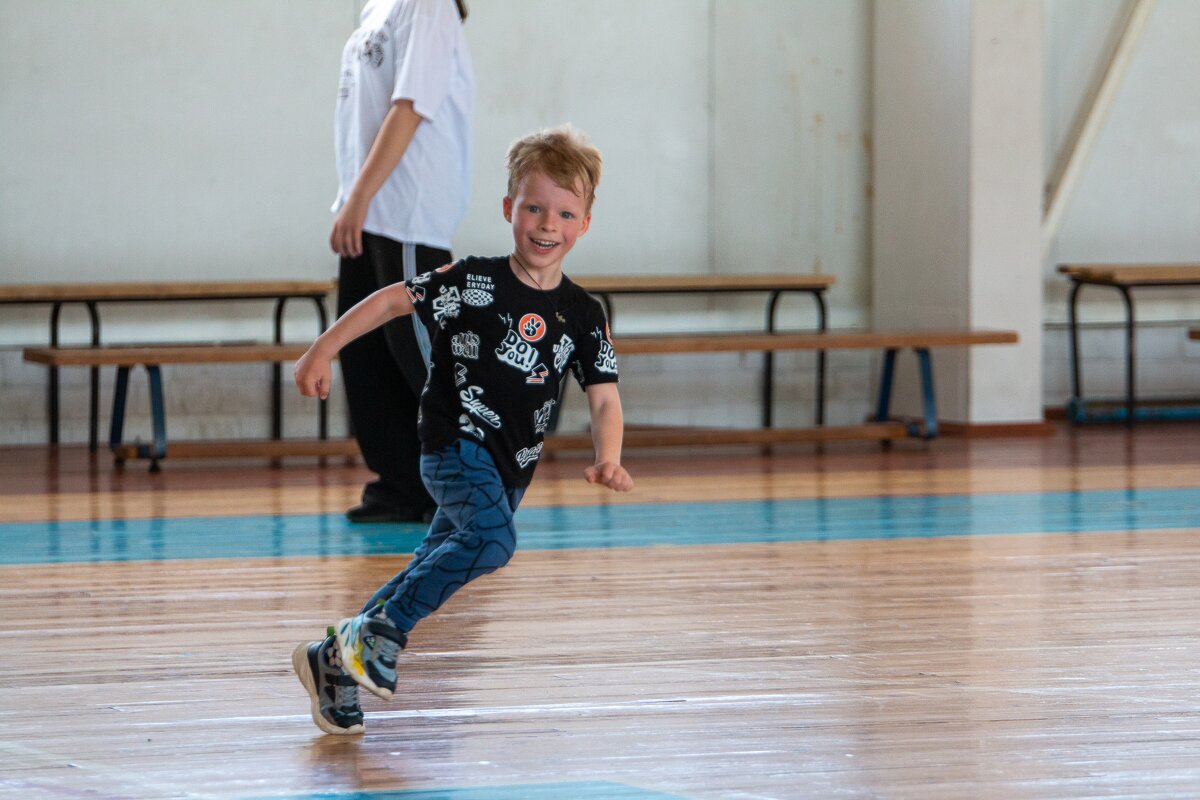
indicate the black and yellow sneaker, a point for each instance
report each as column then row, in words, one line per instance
column 370, row 644
column 334, row 693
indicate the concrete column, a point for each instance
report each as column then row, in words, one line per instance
column 958, row 193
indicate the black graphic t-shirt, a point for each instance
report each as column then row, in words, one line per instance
column 500, row 351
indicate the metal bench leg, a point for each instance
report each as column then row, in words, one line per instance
column 277, row 375
column 116, row 427
column 928, row 399
column 52, row 395
column 768, row 378
column 884, row 403
column 1075, row 405
column 94, row 383
column 1130, row 371
column 158, row 415
column 822, row 325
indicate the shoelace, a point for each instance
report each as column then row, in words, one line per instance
column 386, row 650
column 344, row 696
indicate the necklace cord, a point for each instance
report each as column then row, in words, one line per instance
column 545, row 292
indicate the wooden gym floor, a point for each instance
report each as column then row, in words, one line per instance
column 1003, row 618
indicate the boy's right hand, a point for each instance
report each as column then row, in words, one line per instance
column 313, row 374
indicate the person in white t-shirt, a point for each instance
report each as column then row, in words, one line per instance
column 403, row 140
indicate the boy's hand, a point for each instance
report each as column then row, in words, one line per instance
column 313, row 375
column 606, row 473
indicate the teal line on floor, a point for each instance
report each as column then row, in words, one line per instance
column 643, row 525
column 528, row 791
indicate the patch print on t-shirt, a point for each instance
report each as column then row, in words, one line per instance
column 541, row 416
column 528, row 455
column 447, row 304
column 520, row 354
column 532, row 327
column 372, row 48
column 606, row 359
column 465, row 345
column 562, row 353
column 469, row 428
column 475, row 407
column 416, row 287
column 480, row 291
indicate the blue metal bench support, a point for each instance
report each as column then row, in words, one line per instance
column 158, row 449
column 928, row 397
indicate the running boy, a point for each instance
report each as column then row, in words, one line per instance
column 505, row 331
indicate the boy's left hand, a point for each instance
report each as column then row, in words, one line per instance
column 606, row 473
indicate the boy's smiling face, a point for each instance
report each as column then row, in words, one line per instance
column 546, row 220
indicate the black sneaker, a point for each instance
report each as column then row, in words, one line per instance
column 372, row 512
column 334, row 694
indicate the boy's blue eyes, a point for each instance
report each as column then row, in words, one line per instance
column 538, row 209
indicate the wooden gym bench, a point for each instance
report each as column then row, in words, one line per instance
column 1125, row 279
column 773, row 285
column 92, row 295
column 880, row 427
column 152, row 357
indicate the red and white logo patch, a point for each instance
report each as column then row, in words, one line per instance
column 531, row 327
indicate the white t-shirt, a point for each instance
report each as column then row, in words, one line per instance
column 414, row 50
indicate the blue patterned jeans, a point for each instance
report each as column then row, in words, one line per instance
column 472, row 533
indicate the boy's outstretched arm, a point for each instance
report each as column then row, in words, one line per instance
column 608, row 429
column 314, row 370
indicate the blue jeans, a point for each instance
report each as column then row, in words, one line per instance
column 472, row 533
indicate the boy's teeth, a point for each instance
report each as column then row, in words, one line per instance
column 543, row 244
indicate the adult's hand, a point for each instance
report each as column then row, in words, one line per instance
column 346, row 237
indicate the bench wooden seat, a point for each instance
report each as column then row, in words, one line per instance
column 683, row 284
column 134, row 355
column 890, row 342
column 152, row 357
column 691, row 437
column 1133, row 274
column 161, row 290
column 241, row 448
column 826, row 340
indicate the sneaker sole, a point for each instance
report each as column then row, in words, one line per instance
column 309, row 682
column 354, row 666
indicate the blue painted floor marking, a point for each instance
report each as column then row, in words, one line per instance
column 529, row 791
column 645, row 525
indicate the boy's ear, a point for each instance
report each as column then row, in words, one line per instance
column 507, row 209
column 587, row 222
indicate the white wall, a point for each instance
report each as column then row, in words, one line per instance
column 164, row 140
column 142, row 139
column 151, row 140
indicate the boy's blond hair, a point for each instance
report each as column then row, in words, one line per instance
column 562, row 154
